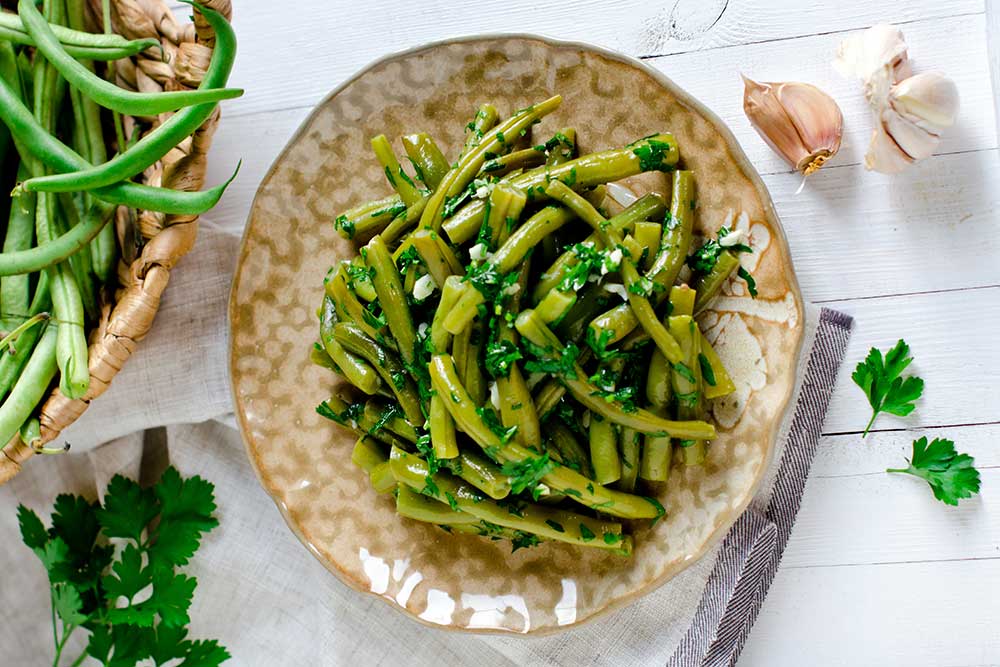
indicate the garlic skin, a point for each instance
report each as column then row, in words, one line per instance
column 910, row 112
column 797, row 120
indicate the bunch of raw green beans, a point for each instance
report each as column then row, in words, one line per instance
column 59, row 252
column 518, row 364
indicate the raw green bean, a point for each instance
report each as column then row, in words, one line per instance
column 386, row 364
column 31, row 435
column 104, row 93
column 391, row 297
column 43, row 146
column 529, row 326
column 709, row 285
column 462, row 408
column 79, row 44
column 603, row 441
column 352, row 367
column 549, row 523
column 12, row 364
column 81, row 263
column 583, row 172
column 31, row 385
column 427, row 159
column 15, row 290
column 153, row 145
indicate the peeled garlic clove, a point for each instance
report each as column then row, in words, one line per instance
column 929, row 99
column 880, row 47
column 799, row 121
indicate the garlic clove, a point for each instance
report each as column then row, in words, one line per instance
column 880, row 47
column 797, row 120
column 884, row 154
column 912, row 139
column 929, row 99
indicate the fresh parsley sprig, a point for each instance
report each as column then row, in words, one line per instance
column 135, row 605
column 951, row 475
column 883, row 383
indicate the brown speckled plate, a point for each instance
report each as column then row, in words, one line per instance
column 303, row 460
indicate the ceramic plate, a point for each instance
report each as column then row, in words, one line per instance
column 303, row 460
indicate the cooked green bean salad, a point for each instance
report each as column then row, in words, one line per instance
column 517, row 361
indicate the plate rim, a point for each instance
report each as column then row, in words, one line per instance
column 737, row 152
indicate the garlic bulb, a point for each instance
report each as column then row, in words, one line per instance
column 910, row 112
column 799, row 121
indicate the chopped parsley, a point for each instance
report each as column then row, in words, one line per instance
column 528, row 473
column 555, row 525
column 707, row 374
column 523, row 540
column 651, row 153
column 586, row 534
column 500, row 357
column 345, row 226
column 682, row 369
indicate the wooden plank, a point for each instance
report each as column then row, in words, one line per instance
column 856, row 513
column 908, row 614
column 953, row 339
column 292, row 59
column 713, row 77
column 855, row 233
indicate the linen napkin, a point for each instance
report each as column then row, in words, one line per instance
column 271, row 603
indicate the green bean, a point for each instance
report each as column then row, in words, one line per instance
column 555, row 306
column 386, row 364
column 459, row 176
column 370, row 217
column 382, row 479
column 445, row 380
column 359, row 280
column 12, row 363
column 502, row 164
column 15, row 291
column 427, row 159
column 657, row 450
column 402, row 223
column 450, row 293
column 603, row 441
column 368, row 453
column 31, row 385
column 439, row 259
column 648, row 236
column 31, row 435
column 483, row 474
column 546, row 522
column 591, row 301
column 81, row 263
column 459, row 318
column 466, row 347
column 529, row 326
column 485, row 119
column 352, row 367
column 79, row 44
column 385, row 279
column 442, row 429
column 419, row 507
column 709, row 285
column 43, row 146
column 564, row 149
column 719, row 383
column 369, row 424
column 153, row 146
column 495, row 223
column 682, row 299
column 549, row 396
column 518, row 409
column 398, row 179
column 528, row 235
column 392, row 421
column 677, row 231
column 686, row 382
column 640, row 305
column 349, row 309
column 583, row 172
column 630, row 459
column 104, row 93
column 571, row 452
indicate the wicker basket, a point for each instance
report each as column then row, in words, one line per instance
column 151, row 243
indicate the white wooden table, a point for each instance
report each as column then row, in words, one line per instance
column 877, row 572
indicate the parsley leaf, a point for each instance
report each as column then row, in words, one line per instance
column 651, row 153
column 951, row 475
column 523, row 540
column 881, row 380
column 500, row 357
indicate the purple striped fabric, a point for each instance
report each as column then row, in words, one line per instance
column 749, row 556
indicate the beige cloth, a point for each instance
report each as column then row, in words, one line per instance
column 263, row 595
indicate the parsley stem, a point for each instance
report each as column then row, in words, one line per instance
column 871, row 422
